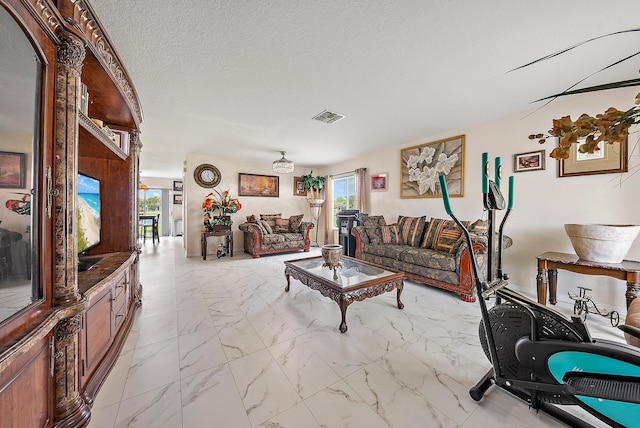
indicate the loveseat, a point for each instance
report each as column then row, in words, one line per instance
column 433, row 252
column 272, row 234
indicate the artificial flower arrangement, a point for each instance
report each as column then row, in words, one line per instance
column 587, row 131
column 222, row 203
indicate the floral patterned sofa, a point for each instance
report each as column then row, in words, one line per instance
column 271, row 234
column 434, row 252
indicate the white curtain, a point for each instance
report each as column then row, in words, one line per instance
column 328, row 210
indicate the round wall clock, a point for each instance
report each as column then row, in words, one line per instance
column 207, row 175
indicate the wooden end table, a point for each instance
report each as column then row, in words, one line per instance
column 356, row 280
column 550, row 262
column 228, row 237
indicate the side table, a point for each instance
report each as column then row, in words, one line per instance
column 228, row 238
column 550, row 262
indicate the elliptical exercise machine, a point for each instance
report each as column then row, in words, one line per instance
column 536, row 353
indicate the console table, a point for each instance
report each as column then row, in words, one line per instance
column 550, row 262
column 228, row 237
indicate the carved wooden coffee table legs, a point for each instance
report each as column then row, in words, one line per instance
column 355, row 293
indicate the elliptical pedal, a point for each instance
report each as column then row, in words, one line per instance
column 617, row 388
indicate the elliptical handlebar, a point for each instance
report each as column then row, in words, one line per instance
column 447, row 207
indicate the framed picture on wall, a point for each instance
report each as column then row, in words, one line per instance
column 12, row 170
column 259, row 185
column 611, row 158
column 298, row 187
column 421, row 166
column 177, row 199
column 177, row 186
column 379, row 183
column 531, row 161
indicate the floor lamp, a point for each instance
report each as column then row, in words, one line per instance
column 316, row 206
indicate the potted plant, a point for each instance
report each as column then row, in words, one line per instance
column 223, row 204
column 313, row 186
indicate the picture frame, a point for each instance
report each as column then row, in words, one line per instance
column 177, row 186
column 13, row 170
column 177, row 199
column 610, row 159
column 379, row 183
column 258, row 185
column 530, row 161
column 298, row 187
column 422, row 164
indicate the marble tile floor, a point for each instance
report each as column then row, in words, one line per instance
column 219, row 343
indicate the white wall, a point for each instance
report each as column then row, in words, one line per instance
column 194, row 195
column 543, row 201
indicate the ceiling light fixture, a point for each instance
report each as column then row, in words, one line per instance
column 283, row 165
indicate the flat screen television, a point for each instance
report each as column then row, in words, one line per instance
column 89, row 223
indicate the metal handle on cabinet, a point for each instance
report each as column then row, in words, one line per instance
column 51, row 192
column 52, row 352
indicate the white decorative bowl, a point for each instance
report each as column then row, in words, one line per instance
column 602, row 243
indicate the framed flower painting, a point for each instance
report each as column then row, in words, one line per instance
column 422, row 165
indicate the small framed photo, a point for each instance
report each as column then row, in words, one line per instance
column 531, row 161
column 298, row 187
column 177, row 186
column 12, row 170
column 379, row 183
column 177, row 199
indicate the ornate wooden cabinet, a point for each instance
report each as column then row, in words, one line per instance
column 67, row 106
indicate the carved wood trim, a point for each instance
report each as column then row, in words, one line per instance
column 348, row 297
column 46, row 15
column 85, row 18
column 38, row 334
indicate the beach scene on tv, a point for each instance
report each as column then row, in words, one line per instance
column 88, row 212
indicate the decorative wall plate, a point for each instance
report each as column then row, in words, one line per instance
column 207, row 175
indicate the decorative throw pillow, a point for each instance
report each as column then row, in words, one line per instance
column 411, row 230
column 261, row 227
column 252, row 218
column 390, row 234
column 282, row 225
column 372, row 226
column 435, row 225
column 271, row 219
column 294, row 223
column 449, row 237
column 267, row 227
column 479, row 227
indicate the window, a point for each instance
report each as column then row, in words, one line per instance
column 344, row 196
column 149, row 201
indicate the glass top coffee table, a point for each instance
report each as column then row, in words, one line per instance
column 355, row 280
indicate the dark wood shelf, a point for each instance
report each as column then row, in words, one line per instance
column 99, row 134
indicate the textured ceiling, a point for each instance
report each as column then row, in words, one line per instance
column 242, row 79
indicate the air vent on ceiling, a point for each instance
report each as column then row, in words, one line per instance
column 328, row 117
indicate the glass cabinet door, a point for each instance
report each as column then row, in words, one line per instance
column 20, row 83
